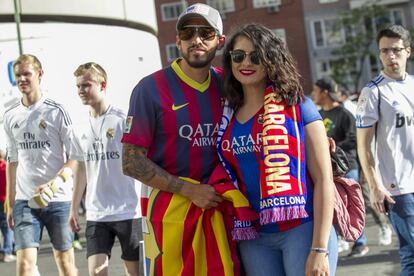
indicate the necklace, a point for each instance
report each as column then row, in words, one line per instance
column 98, row 136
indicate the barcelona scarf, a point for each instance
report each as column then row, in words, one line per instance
column 282, row 166
column 183, row 239
column 283, row 189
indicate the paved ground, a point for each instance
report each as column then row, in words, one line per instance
column 381, row 260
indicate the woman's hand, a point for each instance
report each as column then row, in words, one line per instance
column 317, row 264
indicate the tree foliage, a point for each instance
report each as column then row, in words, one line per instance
column 359, row 26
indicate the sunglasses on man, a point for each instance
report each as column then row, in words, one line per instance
column 204, row 32
column 238, row 56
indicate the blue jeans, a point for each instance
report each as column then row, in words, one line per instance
column 29, row 223
column 402, row 219
column 7, row 248
column 283, row 253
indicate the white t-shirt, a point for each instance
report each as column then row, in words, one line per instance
column 37, row 138
column 110, row 195
column 395, row 131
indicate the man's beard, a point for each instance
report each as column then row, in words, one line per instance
column 198, row 62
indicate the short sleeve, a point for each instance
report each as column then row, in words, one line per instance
column 11, row 147
column 309, row 111
column 67, row 134
column 76, row 152
column 142, row 114
column 367, row 108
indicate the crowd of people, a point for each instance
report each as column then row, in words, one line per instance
column 234, row 162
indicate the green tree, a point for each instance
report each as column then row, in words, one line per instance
column 359, row 26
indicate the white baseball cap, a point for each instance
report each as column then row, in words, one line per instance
column 211, row 15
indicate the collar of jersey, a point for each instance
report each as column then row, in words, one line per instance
column 391, row 79
column 201, row 87
column 35, row 105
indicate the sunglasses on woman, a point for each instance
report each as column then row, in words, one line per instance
column 238, row 56
column 204, row 32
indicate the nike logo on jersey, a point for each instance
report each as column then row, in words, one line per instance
column 177, row 107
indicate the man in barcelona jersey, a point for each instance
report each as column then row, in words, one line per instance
column 169, row 145
column 39, row 135
column 111, row 197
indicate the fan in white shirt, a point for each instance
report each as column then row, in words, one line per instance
column 112, row 206
column 385, row 111
column 39, row 137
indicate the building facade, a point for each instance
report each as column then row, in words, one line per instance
column 323, row 37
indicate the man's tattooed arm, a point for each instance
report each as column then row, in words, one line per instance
column 136, row 164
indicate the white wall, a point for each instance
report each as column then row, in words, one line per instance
column 126, row 54
column 138, row 11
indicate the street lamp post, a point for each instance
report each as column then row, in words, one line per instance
column 17, row 19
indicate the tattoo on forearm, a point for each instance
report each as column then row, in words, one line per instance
column 136, row 164
column 175, row 185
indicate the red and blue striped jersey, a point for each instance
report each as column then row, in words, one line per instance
column 177, row 120
column 241, row 148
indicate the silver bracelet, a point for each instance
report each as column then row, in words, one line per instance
column 320, row 250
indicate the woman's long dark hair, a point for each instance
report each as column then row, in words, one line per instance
column 280, row 66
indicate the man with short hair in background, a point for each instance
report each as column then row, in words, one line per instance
column 111, row 199
column 340, row 126
column 39, row 189
column 385, row 115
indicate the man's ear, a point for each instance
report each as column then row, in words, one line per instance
column 40, row 74
column 103, row 85
column 178, row 42
column 222, row 40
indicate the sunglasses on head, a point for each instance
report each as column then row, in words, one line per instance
column 204, row 32
column 92, row 65
column 237, row 56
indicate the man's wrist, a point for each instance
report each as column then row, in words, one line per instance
column 186, row 189
column 10, row 204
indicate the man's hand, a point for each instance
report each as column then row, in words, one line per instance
column 202, row 195
column 377, row 197
column 74, row 221
column 40, row 188
column 42, row 195
column 9, row 215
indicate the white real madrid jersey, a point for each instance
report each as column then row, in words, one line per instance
column 37, row 138
column 395, row 131
column 110, row 195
